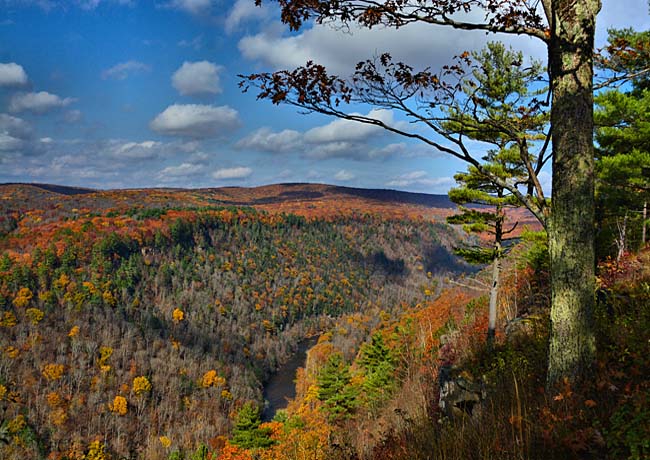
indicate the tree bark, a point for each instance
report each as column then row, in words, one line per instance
column 643, row 223
column 571, row 232
column 494, row 293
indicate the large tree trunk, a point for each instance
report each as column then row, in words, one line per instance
column 571, row 231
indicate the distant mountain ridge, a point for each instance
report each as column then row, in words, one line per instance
column 295, row 191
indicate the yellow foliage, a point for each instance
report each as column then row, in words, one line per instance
column 34, row 315
column 211, row 379
column 96, row 451
column 53, row 399
column 119, row 405
column 225, row 394
column 165, row 441
column 178, row 315
column 12, row 352
column 104, row 354
column 109, row 299
column 22, row 299
column 89, row 286
column 62, row 282
column 141, row 385
column 8, row 319
column 16, row 425
column 53, row 371
column 74, row 331
column 3, row 392
column 58, row 416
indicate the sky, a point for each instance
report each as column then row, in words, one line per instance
column 144, row 93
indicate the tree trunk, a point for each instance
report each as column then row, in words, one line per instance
column 571, row 230
column 621, row 241
column 643, row 223
column 494, row 293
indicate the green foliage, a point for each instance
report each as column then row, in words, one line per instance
column 379, row 367
column 536, row 254
column 628, row 435
column 246, row 432
column 334, row 388
column 622, row 119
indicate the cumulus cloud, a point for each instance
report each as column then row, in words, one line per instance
column 239, row 172
column 180, row 171
column 136, row 150
column 344, row 176
column 340, row 51
column 12, row 74
column 123, row 70
column 336, row 139
column 348, row 130
column 265, row 140
column 195, row 78
column 196, row 121
column 191, row 6
column 242, row 11
column 420, row 180
column 17, row 137
column 40, row 102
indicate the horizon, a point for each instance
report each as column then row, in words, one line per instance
column 179, row 188
column 126, row 94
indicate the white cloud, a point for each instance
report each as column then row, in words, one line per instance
column 194, row 78
column 17, row 138
column 191, row 6
column 136, row 150
column 336, row 139
column 344, row 175
column 196, row 121
column 420, row 180
column 182, row 170
column 12, row 74
column 242, row 11
column 348, row 130
column 239, row 172
column 15, row 127
column 40, row 102
column 266, row 140
column 123, row 70
column 339, row 50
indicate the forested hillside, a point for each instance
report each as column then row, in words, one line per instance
column 139, row 331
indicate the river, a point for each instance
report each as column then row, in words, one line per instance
column 281, row 385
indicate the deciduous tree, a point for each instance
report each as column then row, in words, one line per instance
column 567, row 29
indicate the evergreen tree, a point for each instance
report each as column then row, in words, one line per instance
column 623, row 154
column 378, row 365
column 477, row 189
column 334, row 389
column 247, row 433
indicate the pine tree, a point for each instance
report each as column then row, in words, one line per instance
column 334, row 389
column 623, row 153
column 477, row 189
column 247, row 433
column 378, row 364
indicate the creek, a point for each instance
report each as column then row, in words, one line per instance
column 281, row 385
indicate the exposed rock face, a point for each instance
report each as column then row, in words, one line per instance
column 460, row 396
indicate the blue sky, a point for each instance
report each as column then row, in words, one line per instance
column 134, row 93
